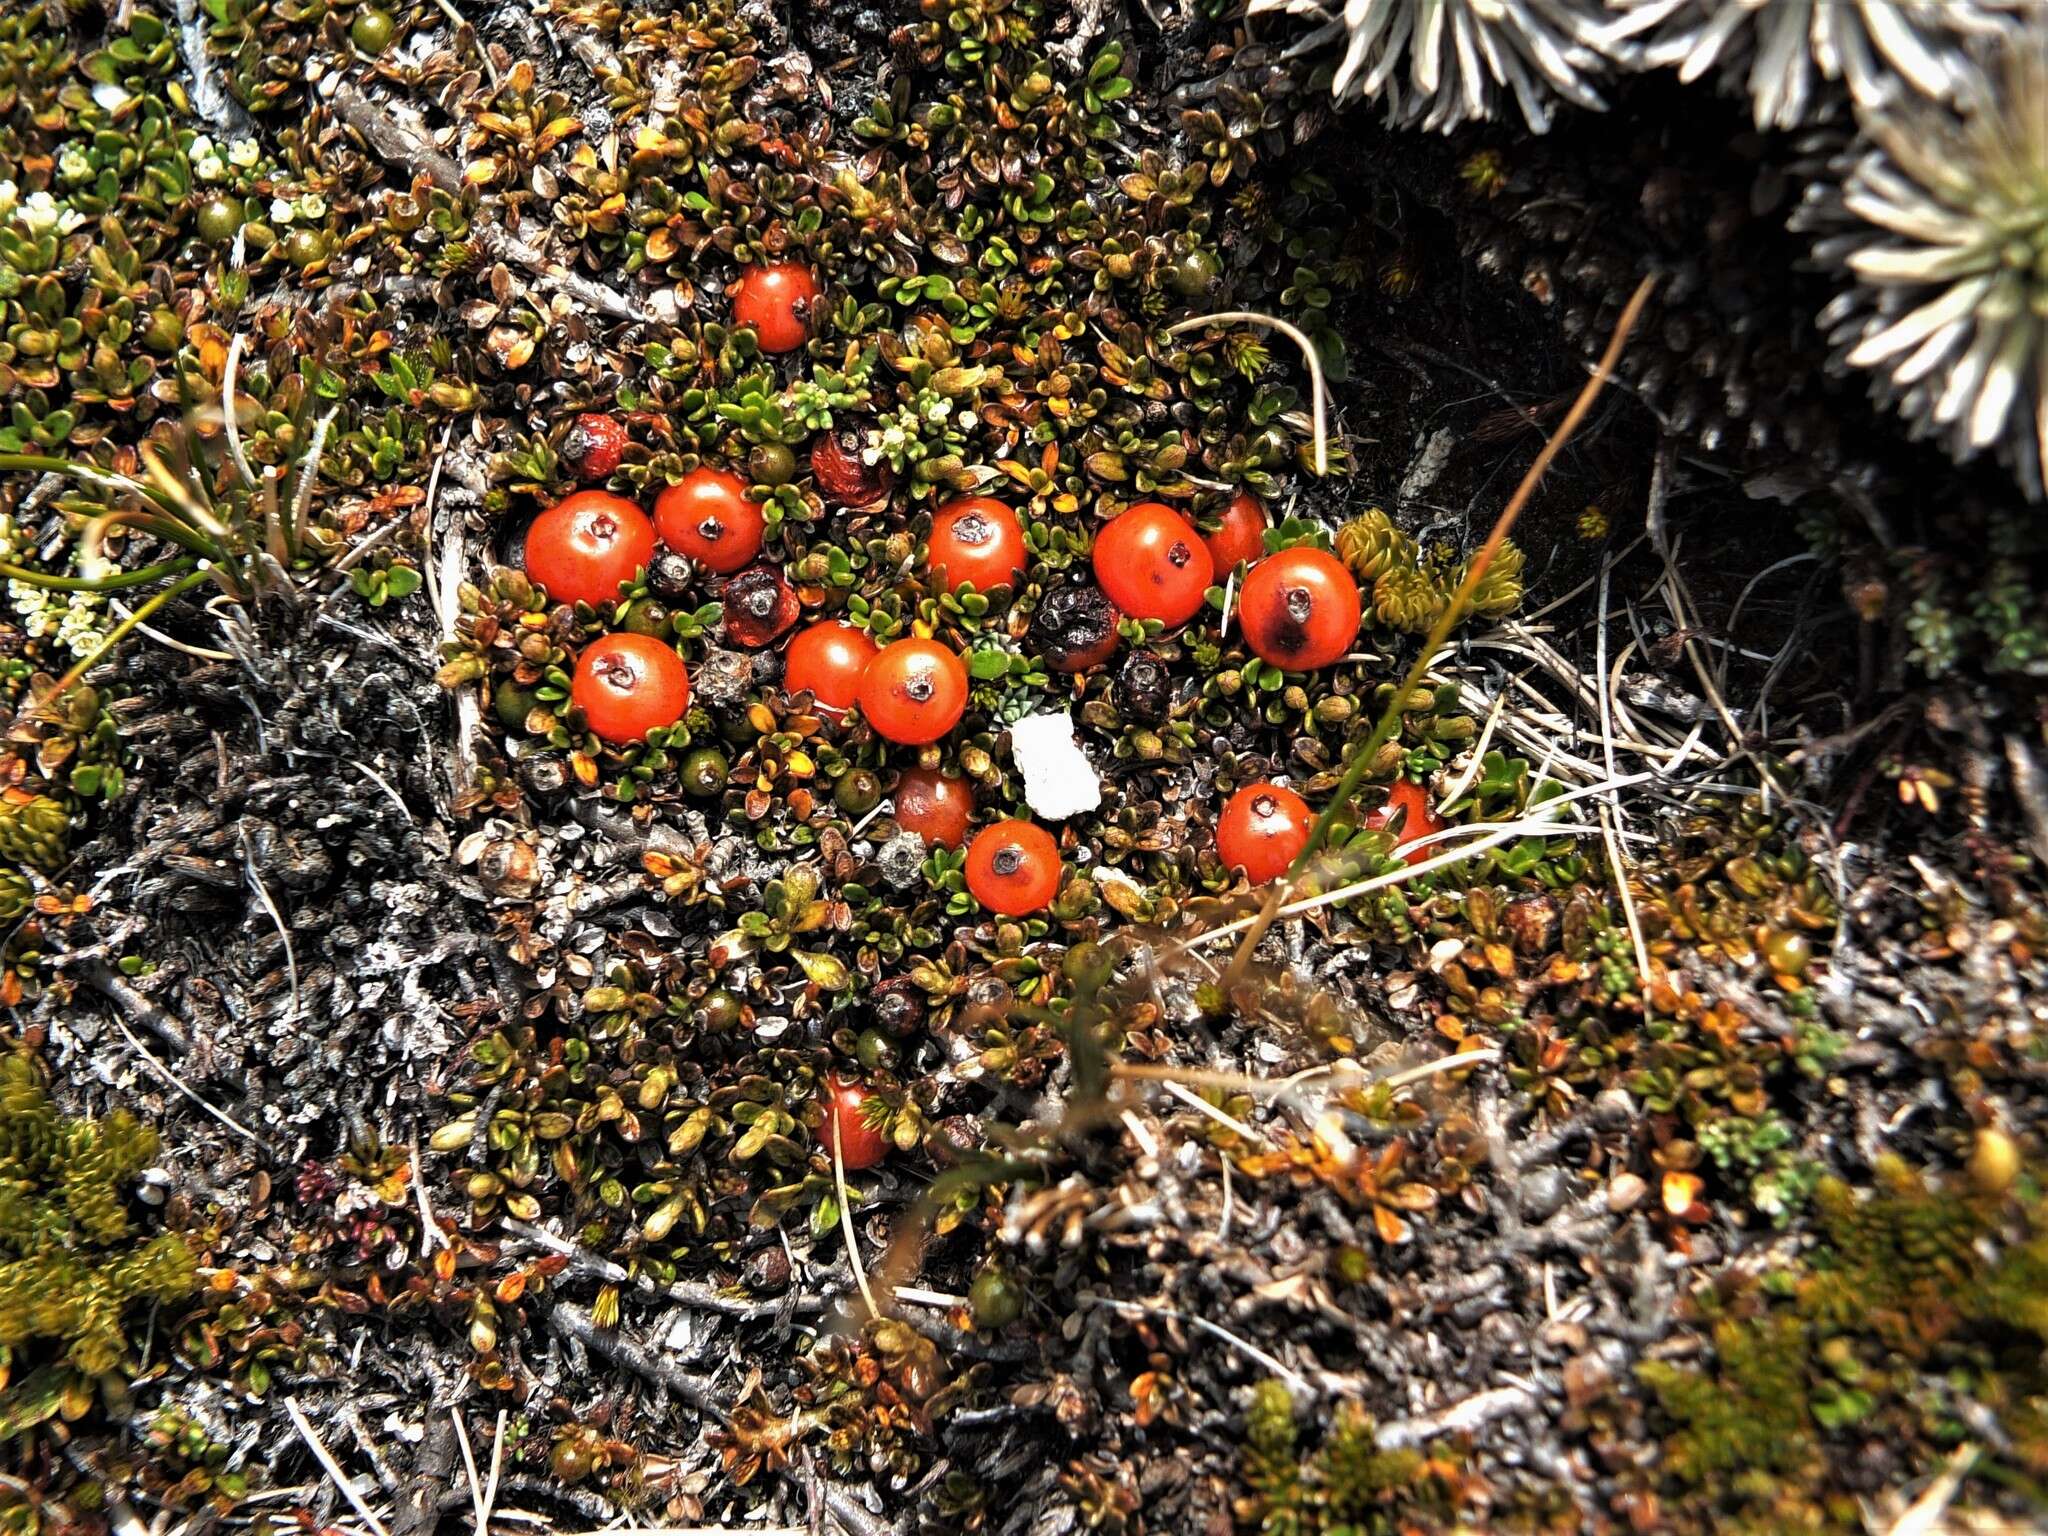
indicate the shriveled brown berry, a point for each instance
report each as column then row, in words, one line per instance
column 841, row 475
column 898, row 1005
column 767, row 1270
column 1532, row 924
column 952, row 1140
column 760, row 607
column 1144, row 689
column 1074, row 628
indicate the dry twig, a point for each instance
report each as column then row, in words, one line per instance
column 333, row 1468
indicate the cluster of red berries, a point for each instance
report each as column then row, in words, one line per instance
column 1299, row 609
column 588, row 545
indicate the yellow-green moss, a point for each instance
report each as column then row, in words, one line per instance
column 1347, row 1486
column 1408, row 588
column 34, row 831
column 1914, row 1277
column 71, row 1262
column 1749, row 1420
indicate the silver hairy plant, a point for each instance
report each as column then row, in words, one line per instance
column 1439, row 63
column 1937, row 220
column 1793, row 57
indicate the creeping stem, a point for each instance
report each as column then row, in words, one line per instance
column 113, row 583
column 1318, row 391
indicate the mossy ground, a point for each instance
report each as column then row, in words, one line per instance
column 487, row 1058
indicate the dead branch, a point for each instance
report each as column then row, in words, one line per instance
column 1460, row 1418
column 573, row 1322
column 703, row 1298
column 412, row 151
column 116, row 989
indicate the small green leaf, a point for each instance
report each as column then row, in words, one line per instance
column 824, row 970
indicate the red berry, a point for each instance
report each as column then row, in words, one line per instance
column 627, row 685
column 1013, row 868
column 841, row 473
column 977, row 539
column 827, row 661
column 586, row 545
column 914, row 691
column 934, row 806
column 1262, row 828
column 1241, row 535
column 595, row 445
column 775, row 298
column 707, row 516
column 1153, row 564
column 860, row 1145
column 1299, row 609
column 1406, row 797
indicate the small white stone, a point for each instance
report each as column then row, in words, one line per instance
column 1059, row 781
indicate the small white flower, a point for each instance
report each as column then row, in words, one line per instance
column 10, row 194
column 312, row 206
column 79, row 627
column 32, row 604
column 40, row 213
column 73, row 163
column 280, row 210
column 243, row 152
column 210, row 168
column 200, row 148
column 110, row 96
column 69, row 220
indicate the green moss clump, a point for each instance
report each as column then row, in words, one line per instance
column 1915, row 1279
column 1272, row 1464
column 34, row 832
column 1348, row 1486
column 1408, row 587
column 71, row 1263
column 1750, row 1421
column 1901, row 1262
